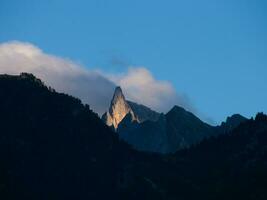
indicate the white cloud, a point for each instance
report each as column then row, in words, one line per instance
column 90, row 86
column 140, row 86
column 59, row 73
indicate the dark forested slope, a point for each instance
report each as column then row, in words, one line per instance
column 231, row 166
column 54, row 147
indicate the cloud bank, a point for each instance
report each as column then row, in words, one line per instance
column 92, row 87
column 140, row 86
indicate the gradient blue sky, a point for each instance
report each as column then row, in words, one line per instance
column 213, row 51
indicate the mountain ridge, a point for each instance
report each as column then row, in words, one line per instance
column 147, row 130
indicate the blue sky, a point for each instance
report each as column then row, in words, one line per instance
column 215, row 52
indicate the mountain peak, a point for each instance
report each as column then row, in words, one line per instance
column 118, row 109
column 177, row 109
column 232, row 122
column 236, row 117
column 118, row 90
column 118, row 95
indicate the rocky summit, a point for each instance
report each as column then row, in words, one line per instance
column 120, row 107
column 150, row 131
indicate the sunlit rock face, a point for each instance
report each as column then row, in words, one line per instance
column 118, row 109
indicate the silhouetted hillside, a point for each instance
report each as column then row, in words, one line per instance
column 54, row 147
column 185, row 129
column 232, row 166
column 231, row 123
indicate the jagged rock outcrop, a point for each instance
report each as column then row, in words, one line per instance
column 120, row 107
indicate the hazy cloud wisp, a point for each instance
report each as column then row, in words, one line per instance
column 92, row 87
column 61, row 74
column 140, row 86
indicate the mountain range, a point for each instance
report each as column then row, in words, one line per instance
column 54, row 147
column 148, row 130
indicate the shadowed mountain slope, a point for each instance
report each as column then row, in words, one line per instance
column 147, row 130
column 54, row 147
column 229, row 167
